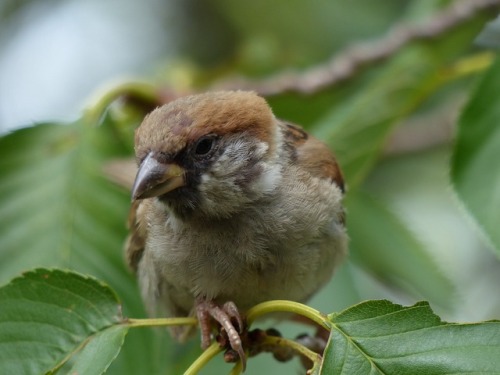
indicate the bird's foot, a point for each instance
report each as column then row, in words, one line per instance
column 230, row 321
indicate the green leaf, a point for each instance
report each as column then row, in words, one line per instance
column 358, row 126
column 52, row 202
column 475, row 173
column 384, row 245
column 103, row 348
column 57, row 210
column 48, row 316
column 379, row 337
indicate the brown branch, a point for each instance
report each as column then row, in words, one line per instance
column 348, row 63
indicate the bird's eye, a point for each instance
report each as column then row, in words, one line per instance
column 204, row 146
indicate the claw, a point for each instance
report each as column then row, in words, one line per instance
column 233, row 313
column 223, row 315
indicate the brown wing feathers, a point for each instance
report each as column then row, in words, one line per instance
column 136, row 241
column 313, row 154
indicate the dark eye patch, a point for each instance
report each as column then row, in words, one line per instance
column 204, row 146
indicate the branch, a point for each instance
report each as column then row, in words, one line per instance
column 287, row 306
column 203, row 359
column 348, row 63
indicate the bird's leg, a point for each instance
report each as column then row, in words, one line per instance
column 204, row 322
column 206, row 309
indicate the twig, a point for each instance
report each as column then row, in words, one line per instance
column 102, row 99
column 270, row 344
column 203, row 359
column 287, row 306
column 159, row 322
column 348, row 63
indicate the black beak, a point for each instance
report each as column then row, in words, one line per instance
column 155, row 178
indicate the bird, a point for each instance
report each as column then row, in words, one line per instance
column 231, row 207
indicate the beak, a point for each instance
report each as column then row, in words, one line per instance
column 154, row 178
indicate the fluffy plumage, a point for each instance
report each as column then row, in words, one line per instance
column 232, row 204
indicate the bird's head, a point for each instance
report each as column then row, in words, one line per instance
column 210, row 154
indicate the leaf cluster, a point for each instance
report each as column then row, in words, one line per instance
column 59, row 210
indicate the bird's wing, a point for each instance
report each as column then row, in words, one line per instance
column 136, row 241
column 313, row 154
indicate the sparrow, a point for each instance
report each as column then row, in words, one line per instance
column 231, row 207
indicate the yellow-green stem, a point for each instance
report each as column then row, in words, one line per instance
column 469, row 65
column 301, row 349
column 287, row 306
column 104, row 98
column 161, row 322
column 237, row 369
column 203, row 359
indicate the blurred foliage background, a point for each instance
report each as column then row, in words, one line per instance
column 392, row 123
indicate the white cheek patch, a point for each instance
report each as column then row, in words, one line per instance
column 239, row 176
column 205, row 178
column 262, row 148
column 269, row 179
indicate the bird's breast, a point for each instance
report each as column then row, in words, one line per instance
column 284, row 248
